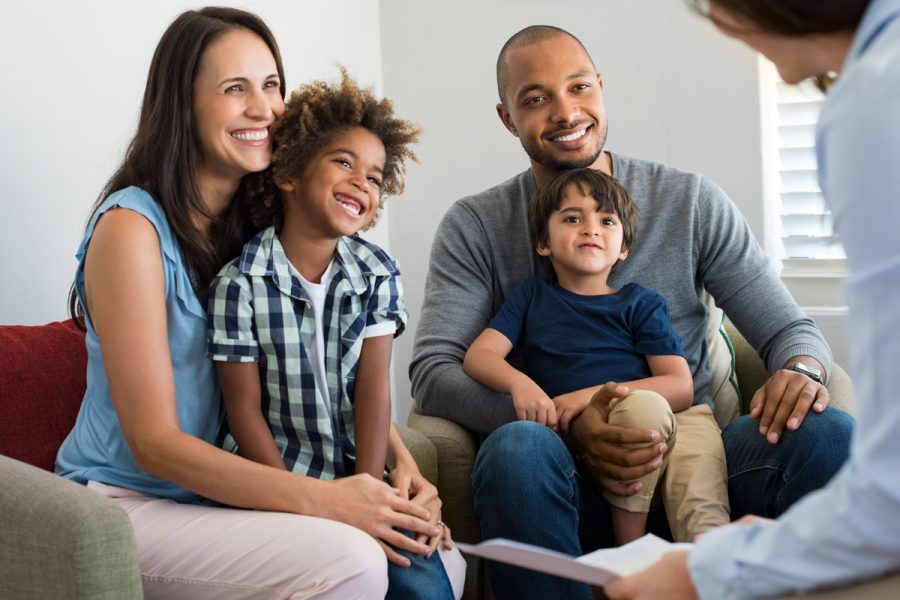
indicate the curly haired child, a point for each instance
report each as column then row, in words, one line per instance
column 302, row 323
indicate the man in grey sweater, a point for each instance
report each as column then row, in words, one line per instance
column 690, row 237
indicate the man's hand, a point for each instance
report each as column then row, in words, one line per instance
column 784, row 400
column 601, row 445
column 532, row 404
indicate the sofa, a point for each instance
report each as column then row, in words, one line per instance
column 456, row 447
column 57, row 538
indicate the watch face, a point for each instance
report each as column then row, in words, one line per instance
column 813, row 374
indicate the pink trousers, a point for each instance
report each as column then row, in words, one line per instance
column 201, row 552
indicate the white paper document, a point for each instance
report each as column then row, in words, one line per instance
column 597, row 568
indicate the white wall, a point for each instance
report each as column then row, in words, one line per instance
column 73, row 78
column 73, row 75
column 676, row 92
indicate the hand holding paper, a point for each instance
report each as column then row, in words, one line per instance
column 597, row 568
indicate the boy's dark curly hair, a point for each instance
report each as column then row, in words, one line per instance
column 316, row 113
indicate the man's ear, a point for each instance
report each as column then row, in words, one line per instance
column 600, row 80
column 507, row 120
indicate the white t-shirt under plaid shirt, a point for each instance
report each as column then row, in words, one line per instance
column 259, row 312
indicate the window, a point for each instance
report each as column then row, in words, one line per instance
column 798, row 228
column 807, row 238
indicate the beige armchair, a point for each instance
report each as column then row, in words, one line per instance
column 456, row 447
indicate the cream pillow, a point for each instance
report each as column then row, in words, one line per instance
column 724, row 390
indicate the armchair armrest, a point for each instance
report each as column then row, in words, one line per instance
column 60, row 540
column 456, row 448
column 422, row 451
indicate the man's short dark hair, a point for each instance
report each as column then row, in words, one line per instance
column 532, row 34
column 610, row 196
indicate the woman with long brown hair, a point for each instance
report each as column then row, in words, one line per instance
column 172, row 214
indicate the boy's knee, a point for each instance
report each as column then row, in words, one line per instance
column 518, row 453
column 643, row 409
column 427, row 578
column 518, row 442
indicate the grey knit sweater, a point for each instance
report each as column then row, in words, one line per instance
column 690, row 236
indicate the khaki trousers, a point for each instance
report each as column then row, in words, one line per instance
column 695, row 484
column 693, row 479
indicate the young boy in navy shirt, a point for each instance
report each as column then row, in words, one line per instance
column 575, row 335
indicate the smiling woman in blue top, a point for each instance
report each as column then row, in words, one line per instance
column 169, row 218
column 850, row 530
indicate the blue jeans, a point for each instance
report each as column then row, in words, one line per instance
column 766, row 480
column 527, row 488
column 424, row 578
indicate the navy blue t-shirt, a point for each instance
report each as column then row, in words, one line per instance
column 569, row 342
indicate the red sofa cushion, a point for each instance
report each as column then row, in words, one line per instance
column 42, row 382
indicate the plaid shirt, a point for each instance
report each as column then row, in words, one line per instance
column 258, row 312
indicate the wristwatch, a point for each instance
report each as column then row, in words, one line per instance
column 814, row 374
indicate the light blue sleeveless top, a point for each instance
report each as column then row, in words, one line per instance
column 95, row 449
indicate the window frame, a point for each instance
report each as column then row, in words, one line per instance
column 774, row 209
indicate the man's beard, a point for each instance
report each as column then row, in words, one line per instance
column 548, row 160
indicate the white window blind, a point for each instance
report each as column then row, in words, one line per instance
column 807, row 231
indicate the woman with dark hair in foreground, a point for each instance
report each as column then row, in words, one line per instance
column 850, row 530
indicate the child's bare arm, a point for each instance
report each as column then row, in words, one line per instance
column 372, row 405
column 671, row 379
column 570, row 405
column 485, row 362
column 242, row 394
